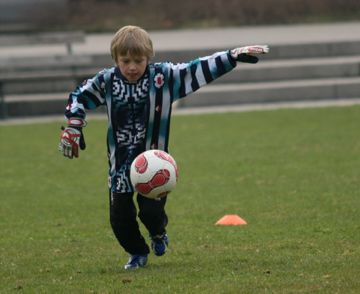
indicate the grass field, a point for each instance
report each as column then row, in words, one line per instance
column 293, row 175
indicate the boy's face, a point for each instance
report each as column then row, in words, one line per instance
column 132, row 67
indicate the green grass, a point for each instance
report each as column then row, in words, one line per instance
column 293, row 175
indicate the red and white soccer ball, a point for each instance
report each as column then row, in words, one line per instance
column 154, row 173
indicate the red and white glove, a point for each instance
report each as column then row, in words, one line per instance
column 248, row 53
column 71, row 138
column 69, row 142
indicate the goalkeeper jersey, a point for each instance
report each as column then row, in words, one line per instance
column 139, row 113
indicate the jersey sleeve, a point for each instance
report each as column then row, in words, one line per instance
column 186, row 78
column 91, row 94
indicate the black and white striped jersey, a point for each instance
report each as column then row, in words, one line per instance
column 139, row 113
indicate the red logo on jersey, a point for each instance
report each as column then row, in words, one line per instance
column 159, row 80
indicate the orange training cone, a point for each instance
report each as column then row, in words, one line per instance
column 231, row 220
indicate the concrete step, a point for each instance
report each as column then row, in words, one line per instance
column 65, row 80
column 33, row 105
column 38, row 63
column 212, row 95
column 36, row 105
column 292, row 69
column 296, row 90
column 277, row 51
column 39, row 86
column 328, row 70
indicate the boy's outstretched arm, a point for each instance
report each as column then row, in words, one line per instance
column 189, row 77
column 248, row 53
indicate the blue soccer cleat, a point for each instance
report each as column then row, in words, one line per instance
column 159, row 244
column 136, row 261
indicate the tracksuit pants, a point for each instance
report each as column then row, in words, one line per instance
column 123, row 220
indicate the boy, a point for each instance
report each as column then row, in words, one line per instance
column 138, row 96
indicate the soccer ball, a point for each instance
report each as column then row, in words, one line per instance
column 154, row 173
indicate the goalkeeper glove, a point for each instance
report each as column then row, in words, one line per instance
column 247, row 53
column 72, row 138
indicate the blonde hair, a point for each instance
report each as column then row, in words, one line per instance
column 133, row 40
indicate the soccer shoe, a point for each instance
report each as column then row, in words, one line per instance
column 159, row 244
column 136, row 261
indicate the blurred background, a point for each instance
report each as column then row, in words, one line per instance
column 108, row 15
column 47, row 47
